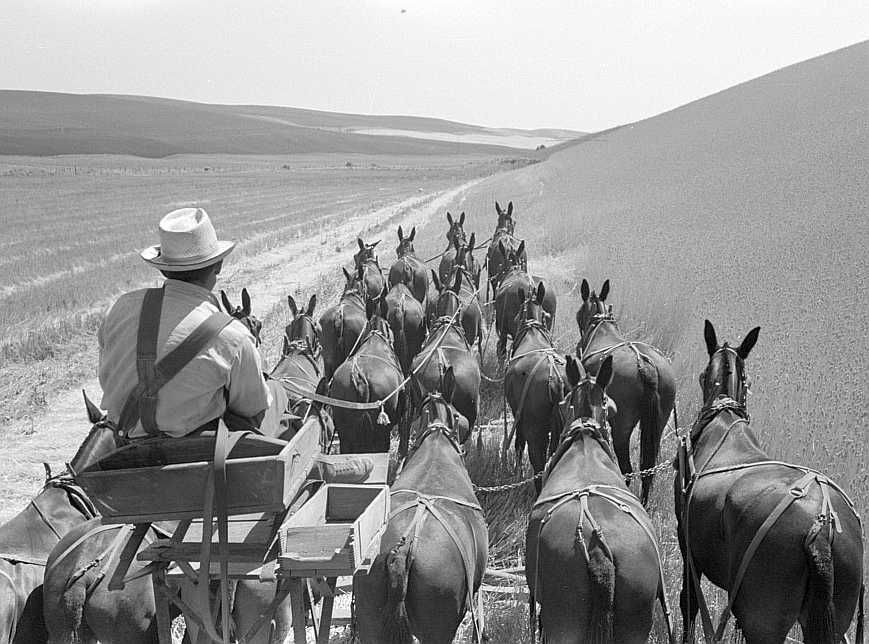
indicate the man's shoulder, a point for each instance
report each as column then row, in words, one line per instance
column 127, row 303
column 236, row 334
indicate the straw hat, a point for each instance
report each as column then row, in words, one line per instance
column 187, row 242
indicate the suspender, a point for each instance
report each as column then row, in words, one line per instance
column 141, row 404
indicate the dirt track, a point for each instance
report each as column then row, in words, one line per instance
column 298, row 265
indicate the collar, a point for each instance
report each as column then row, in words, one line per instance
column 186, row 289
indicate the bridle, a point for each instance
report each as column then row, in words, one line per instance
column 294, row 336
column 447, row 428
column 594, row 321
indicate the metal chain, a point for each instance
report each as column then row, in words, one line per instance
column 508, row 486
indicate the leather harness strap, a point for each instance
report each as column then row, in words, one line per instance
column 141, row 404
column 796, row 491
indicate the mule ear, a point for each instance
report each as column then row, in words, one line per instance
column 541, row 292
column 436, row 280
column 748, row 343
column 312, row 304
column 245, row 301
column 574, row 375
column 521, row 250
column 374, row 244
column 449, row 381
column 292, row 303
column 412, row 233
column 497, row 207
column 347, row 275
column 285, row 345
column 400, row 234
column 94, row 413
column 510, row 209
column 226, row 304
column 457, row 285
column 583, row 290
column 462, row 219
column 605, row 373
column 449, row 218
column 604, row 291
column 361, row 243
column 709, row 336
column 472, row 242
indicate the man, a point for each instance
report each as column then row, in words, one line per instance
column 214, row 369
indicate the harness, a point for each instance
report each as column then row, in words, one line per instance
column 141, row 404
column 603, row 352
column 618, row 497
column 688, row 475
column 548, row 355
column 427, row 504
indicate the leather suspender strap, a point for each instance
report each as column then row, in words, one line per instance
column 141, row 404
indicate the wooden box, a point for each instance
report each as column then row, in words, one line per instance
column 165, row 479
column 337, row 532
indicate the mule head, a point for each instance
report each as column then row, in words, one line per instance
column 592, row 306
column 302, row 328
column 456, row 231
column 366, row 252
column 99, row 442
column 505, row 218
column 405, row 244
column 725, row 374
column 438, row 415
column 376, row 311
column 243, row 314
column 587, row 397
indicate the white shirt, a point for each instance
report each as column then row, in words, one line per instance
column 196, row 395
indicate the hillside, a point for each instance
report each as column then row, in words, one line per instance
column 46, row 123
column 748, row 207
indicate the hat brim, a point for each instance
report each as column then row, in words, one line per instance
column 153, row 257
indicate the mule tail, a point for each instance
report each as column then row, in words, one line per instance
column 602, row 575
column 396, row 623
column 650, row 422
column 820, row 626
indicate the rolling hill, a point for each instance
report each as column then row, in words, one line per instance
column 748, row 207
column 46, row 123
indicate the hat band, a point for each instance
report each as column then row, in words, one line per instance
column 180, row 261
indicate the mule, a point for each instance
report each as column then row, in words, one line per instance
column 592, row 560
column 342, row 324
column 434, row 550
column 244, row 315
column 456, row 238
column 447, row 348
column 460, row 287
column 301, row 371
column 371, row 373
column 783, row 540
column 503, row 244
column 643, row 386
column 534, row 384
column 370, row 273
column 406, row 317
column 28, row 538
column 409, row 269
column 465, row 257
column 508, row 302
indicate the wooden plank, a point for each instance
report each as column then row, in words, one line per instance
column 161, row 608
column 165, row 550
column 116, row 582
column 297, row 606
column 177, row 490
column 237, row 570
column 326, row 613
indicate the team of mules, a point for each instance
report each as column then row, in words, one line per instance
column 399, row 357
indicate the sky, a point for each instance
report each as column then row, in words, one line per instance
column 561, row 63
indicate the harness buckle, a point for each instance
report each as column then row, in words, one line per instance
column 798, row 492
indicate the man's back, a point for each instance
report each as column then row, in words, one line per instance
column 226, row 373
